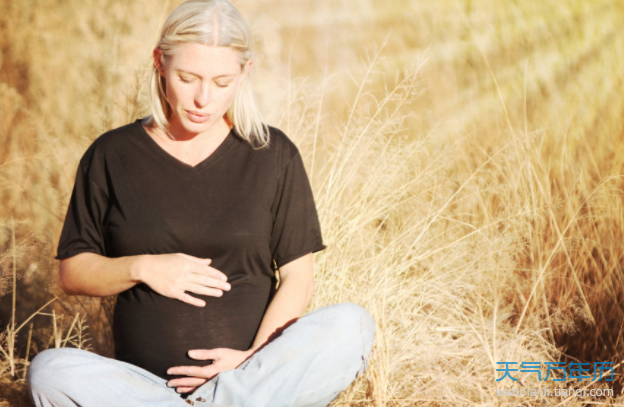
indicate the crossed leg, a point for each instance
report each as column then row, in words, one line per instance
column 75, row 377
column 308, row 365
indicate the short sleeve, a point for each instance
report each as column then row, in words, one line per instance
column 83, row 227
column 296, row 227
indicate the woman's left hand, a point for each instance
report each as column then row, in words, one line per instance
column 223, row 359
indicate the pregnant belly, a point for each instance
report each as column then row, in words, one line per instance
column 155, row 332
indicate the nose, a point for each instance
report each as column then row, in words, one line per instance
column 202, row 98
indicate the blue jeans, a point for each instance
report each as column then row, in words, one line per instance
column 308, row 365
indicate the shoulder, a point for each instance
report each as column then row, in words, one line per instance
column 107, row 143
column 281, row 145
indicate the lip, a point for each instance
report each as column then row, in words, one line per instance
column 197, row 118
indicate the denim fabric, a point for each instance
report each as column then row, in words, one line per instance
column 308, row 365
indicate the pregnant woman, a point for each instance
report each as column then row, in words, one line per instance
column 188, row 214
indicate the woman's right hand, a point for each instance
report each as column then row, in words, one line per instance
column 173, row 273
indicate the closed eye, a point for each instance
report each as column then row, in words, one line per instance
column 218, row 85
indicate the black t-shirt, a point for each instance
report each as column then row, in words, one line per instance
column 242, row 207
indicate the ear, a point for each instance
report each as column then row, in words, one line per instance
column 246, row 70
column 157, row 55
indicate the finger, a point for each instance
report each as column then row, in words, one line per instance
column 195, row 259
column 187, row 382
column 200, row 289
column 205, row 354
column 185, row 389
column 212, row 272
column 184, row 297
column 211, row 371
column 211, row 282
column 206, row 270
column 195, row 371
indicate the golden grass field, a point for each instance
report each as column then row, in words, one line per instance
column 466, row 158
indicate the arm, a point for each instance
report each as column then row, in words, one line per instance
column 291, row 299
column 98, row 276
column 168, row 274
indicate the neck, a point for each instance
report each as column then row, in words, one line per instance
column 179, row 133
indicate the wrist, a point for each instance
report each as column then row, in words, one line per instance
column 136, row 268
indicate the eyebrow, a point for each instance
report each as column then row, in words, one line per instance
column 194, row 74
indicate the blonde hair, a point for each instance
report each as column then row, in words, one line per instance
column 197, row 21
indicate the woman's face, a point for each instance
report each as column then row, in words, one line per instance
column 200, row 79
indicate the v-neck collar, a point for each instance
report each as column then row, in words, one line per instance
column 223, row 148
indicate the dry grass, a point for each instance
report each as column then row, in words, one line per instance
column 466, row 158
